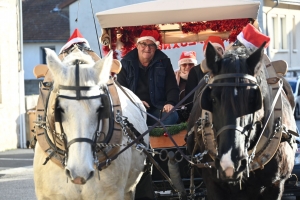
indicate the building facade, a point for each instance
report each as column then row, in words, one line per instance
column 12, row 112
column 281, row 21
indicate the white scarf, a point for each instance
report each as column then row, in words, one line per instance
column 184, row 75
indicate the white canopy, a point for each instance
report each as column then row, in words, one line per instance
column 172, row 11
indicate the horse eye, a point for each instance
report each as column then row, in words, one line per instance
column 213, row 100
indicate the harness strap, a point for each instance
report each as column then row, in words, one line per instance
column 53, row 152
column 269, row 141
column 266, row 147
column 81, row 140
column 233, row 127
column 114, row 127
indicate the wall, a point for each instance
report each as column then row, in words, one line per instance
column 9, row 75
column 33, row 56
column 283, row 26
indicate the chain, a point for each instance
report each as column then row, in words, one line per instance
column 101, row 145
column 199, row 156
column 119, row 119
column 42, row 125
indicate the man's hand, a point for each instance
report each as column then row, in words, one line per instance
column 146, row 104
column 167, row 108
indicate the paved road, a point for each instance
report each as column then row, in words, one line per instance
column 16, row 175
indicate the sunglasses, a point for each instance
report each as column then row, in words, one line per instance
column 187, row 64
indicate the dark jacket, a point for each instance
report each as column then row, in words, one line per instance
column 195, row 75
column 163, row 87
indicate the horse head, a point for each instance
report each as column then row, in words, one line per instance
column 234, row 97
column 79, row 84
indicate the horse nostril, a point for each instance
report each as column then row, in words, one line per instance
column 68, row 173
column 90, row 175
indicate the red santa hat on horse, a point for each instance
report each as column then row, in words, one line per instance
column 252, row 38
column 76, row 37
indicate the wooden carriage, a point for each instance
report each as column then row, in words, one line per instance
column 181, row 22
column 178, row 22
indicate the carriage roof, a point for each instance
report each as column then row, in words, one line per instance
column 169, row 16
column 174, row 11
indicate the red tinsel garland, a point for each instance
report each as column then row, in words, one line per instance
column 129, row 34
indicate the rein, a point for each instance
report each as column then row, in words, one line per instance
column 137, row 139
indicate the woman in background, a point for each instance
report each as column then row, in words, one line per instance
column 186, row 62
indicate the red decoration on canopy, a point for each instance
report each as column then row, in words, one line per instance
column 129, row 34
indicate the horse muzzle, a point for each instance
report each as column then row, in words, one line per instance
column 76, row 179
column 231, row 173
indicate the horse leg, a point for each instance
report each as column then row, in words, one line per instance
column 278, row 168
column 273, row 192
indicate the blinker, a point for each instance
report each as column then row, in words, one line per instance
column 205, row 101
column 104, row 110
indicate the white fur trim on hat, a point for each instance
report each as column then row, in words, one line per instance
column 218, row 45
column 187, row 60
column 215, row 44
column 148, row 38
column 246, row 43
column 74, row 41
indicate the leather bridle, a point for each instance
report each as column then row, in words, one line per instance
column 103, row 96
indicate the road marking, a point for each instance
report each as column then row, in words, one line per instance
column 17, row 170
column 16, row 159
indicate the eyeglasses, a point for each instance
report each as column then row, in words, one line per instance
column 144, row 45
column 188, row 64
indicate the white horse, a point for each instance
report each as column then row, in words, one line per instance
column 79, row 178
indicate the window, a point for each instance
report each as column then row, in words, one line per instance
column 44, row 53
column 283, row 35
column 294, row 33
column 275, row 32
column 279, row 32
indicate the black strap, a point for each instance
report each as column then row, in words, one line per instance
column 77, row 80
column 88, row 140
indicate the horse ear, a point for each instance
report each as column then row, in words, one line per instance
column 104, row 67
column 212, row 56
column 54, row 63
column 255, row 58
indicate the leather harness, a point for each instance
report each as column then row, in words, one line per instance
column 268, row 143
column 108, row 137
